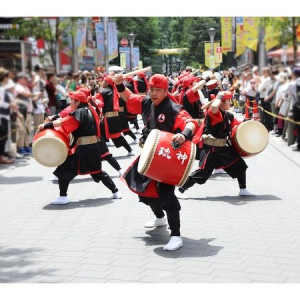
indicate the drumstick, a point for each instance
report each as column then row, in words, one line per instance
column 207, row 105
column 195, row 72
column 198, row 86
column 137, row 72
column 195, row 88
column 176, row 93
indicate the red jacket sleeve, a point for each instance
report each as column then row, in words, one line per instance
column 69, row 124
column 182, row 119
column 192, row 97
column 134, row 103
column 215, row 118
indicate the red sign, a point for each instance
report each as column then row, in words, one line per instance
column 124, row 42
column 219, row 49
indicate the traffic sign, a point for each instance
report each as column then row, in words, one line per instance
column 124, row 42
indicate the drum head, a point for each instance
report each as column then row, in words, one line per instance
column 252, row 137
column 49, row 151
column 148, row 151
column 206, row 74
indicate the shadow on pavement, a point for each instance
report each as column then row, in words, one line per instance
column 80, row 204
column 191, row 247
column 20, row 179
column 16, row 264
column 238, row 200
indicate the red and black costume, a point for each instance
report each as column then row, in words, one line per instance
column 218, row 126
column 110, row 108
column 189, row 99
column 131, row 84
column 83, row 123
column 159, row 196
column 142, row 84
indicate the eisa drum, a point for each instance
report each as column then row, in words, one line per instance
column 212, row 84
column 249, row 138
column 161, row 162
column 50, row 147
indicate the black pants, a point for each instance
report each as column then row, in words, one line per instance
column 200, row 176
column 167, row 201
column 267, row 119
column 101, row 176
column 121, row 142
column 3, row 135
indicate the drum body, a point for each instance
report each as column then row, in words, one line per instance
column 50, row 147
column 249, row 138
column 162, row 163
column 212, row 84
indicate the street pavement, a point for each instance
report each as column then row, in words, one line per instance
column 95, row 239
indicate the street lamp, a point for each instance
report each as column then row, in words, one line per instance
column 131, row 38
column 212, row 32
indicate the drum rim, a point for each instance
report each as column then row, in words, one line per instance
column 55, row 138
column 241, row 151
column 151, row 153
column 189, row 165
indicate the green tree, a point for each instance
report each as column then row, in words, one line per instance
column 288, row 28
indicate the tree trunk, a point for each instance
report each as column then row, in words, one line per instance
column 295, row 46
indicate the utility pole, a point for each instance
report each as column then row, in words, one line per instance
column 261, row 50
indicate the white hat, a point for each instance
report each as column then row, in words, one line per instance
column 10, row 84
column 281, row 77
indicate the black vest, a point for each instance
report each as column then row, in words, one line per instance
column 87, row 124
column 161, row 117
column 222, row 129
column 108, row 99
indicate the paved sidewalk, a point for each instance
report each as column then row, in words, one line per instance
column 226, row 238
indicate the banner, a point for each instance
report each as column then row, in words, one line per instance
column 112, row 40
column 226, row 34
column 126, row 50
column 140, row 64
column 99, row 28
column 123, row 60
column 136, row 57
column 81, row 36
column 251, row 32
column 240, row 47
column 211, row 63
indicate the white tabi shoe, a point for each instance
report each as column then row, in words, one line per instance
column 53, row 178
column 158, row 222
column 136, row 141
column 175, row 243
column 116, row 195
column 61, row 200
column 180, row 195
column 130, row 153
column 245, row 192
column 121, row 173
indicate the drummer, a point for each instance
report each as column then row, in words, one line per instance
column 189, row 99
column 160, row 112
column 83, row 123
column 216, row 151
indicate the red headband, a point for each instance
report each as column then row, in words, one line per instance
column 226, row 96
column 78, row 96
column 159, row 81
column 83, row 89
